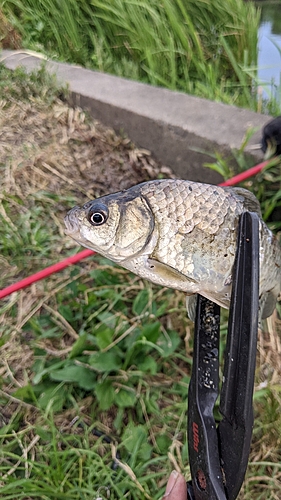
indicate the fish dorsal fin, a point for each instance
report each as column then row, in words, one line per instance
column 251, row 203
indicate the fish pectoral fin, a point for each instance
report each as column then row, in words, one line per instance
column 191, row 303
column 167, row 273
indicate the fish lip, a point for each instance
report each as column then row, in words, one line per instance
column 71, row 221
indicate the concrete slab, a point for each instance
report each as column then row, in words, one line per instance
column 174, row 126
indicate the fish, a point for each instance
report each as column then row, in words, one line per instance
column 178, row 234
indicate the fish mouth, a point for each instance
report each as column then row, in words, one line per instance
column 71, row 222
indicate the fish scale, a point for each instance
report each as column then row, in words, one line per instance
column 180, row 234
column 171, row 248
column 196, row 205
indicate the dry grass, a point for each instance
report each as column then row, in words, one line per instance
column 54, row 150
column 59, row 150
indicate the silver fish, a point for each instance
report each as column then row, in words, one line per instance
column 179, row 234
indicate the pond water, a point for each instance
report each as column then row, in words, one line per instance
column 269, row 57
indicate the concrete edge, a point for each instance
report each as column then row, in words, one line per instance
column 180, row 130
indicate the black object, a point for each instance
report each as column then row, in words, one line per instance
column 219, row 454
column 271, row 138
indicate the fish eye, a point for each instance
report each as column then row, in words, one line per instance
column 98, row 215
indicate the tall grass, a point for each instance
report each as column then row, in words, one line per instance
column 176, row 44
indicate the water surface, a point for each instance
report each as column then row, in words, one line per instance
column 269, row 57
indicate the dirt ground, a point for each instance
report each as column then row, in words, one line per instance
column 63, row 147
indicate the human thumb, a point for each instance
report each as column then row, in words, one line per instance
column 176, row 487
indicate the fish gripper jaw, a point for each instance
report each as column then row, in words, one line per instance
column 218, row 454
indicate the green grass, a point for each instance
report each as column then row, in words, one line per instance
column 75, row 465
column 197, row 47
column 38, row 86
column 94, row 348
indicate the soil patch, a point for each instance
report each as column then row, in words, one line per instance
column 57, row 148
